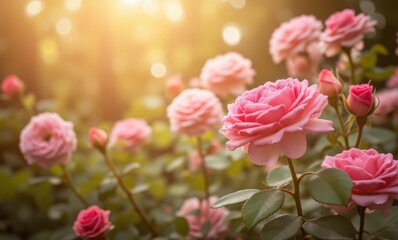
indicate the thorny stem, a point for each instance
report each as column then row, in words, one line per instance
column 204, row 169
column 69, row 181
column 129, row 195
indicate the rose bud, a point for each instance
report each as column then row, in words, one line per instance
column 174, row 84
column 98, row 138
column 12, row 86
column 361, row 100
column 329, row 85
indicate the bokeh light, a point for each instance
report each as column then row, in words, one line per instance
column 231, row 34
column 33, row 8
column 130, row 2
column 158, row 70
column 73, row 5
column 238, row 4
column 151, row 7
column 63, row 26
column 174, row 10
column 367, row 6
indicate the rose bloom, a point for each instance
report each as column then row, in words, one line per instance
column 195, row 111
column 344, row 29
column 360, row 99
column 12, row 85
column 227, row 74
column 174, row 84
column 206, row 214
column 129, row 134
column 47, row 140
column 374, row 175
column 329, row 85
column 301, row 67
column 273, row 119
column 92, row 223
column 97, row 137
column 393, row 81
column 294, row 37
column 387, row 104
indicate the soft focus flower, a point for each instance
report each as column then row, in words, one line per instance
column 47, row 140
column 393, row 81
column 227, row 74
column 374, row 175
column 175, row 84
column 194, row 82
column 273, row 119
column 387, row 104
column 198, row 213
column 360, row 99
column 129, row 134
column 92, row 223
column 12, row 85
column 329, row 85
column 344, row 29
column 195, row 111
column 300, row 66
column 294, row 37
column 98, row 138
column 343, row 62
column 194, row 161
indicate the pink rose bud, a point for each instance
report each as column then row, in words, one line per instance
column 12, row 86
column 92, row 223
column 174, row 84
column 329, row 85
column 360, row 99
column 98, row 138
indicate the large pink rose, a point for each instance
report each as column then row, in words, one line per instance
column 47, row 140
column 344, row 29
column 374, row 175
column 273, row 119
column 92, row 223
column 387, row 104
column 195, row 111
column 294, row 37
column 129, row 134
column 198, row 213
column 227, row 74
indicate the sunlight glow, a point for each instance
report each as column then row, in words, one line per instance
column 73, row 5
column 238, row 4
column 151, row 7
column 33, row 8
column 158, row 70
column 131, row 2
column 174, row 11
column 63, row 26
column 231, row 34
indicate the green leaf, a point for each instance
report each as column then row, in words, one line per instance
column 330, row 186
column 205, row 228
column 380, row 73
column 368, row 60
column 279, row 176
column 378, row 224
column 181, row 226
column 282, row 227
column 217, row 162
column 28, row 101
column 330, row 227
column 175, row 164
column 379, row 49
column 261, row 205
column 235, row 197
column 130, row 167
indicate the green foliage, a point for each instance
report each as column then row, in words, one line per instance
column 261, row 205
column 282, row 227
column 330, row 227
column 235, row 197
column 181, row 226
column 330, row 186
column 279, row 176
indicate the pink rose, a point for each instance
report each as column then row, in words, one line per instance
column 300, row 66
column 174, row 84
column 374, row 175
column 387, row 103
column 130, row 134
column 92, row 223
column 344, row 29
column 98, row 138
column 195, row 111
column 12, row 85
column 194, row 161
column 329, row 85
column 273, row 119
column 360, row 99
column 294, row 37
column 227, row 74
column 198, row 213
column 393, row 81
column 47, row 140
column 194, row 82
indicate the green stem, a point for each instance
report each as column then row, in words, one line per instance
column 129, row 195
column 358, row 141
column 296, row 190
column 343, row 131
column 204, row 169
column 361, row 121
column 352, row 66
column 361, row 211
column 69, row 181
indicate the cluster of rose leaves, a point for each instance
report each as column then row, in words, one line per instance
column 269, row 121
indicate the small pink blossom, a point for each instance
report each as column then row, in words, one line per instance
column 294, row 37
column 393, row 81
column 374, row 175
column 98, row 138
column 195, row 111
column 345, row 30
column 92, row 223
column 227, row 74
column 47, row 140
column 300, row 66
column 329, row 85
column 130, row 134
column 273, row 119
column 174, row 84
column 198, row 213
column 360, row 99
column 12, row 86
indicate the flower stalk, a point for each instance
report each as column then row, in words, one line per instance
column 204, row 169
column 69, row 181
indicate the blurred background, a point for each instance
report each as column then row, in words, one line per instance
column 97, row 57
